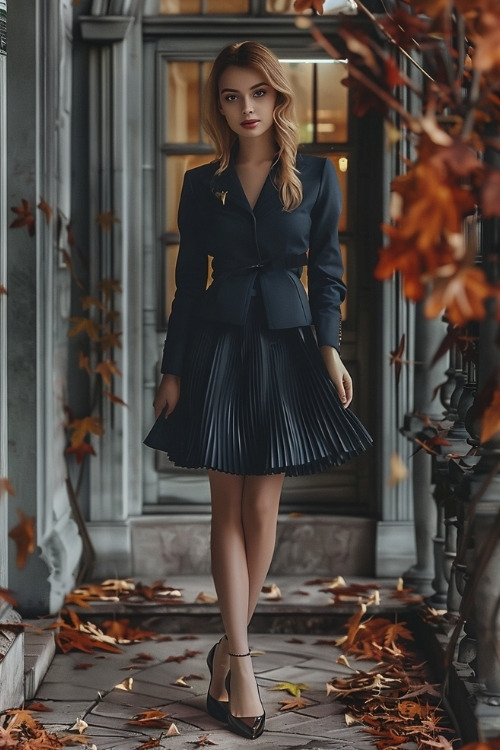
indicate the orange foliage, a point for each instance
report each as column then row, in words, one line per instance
column 24, row 537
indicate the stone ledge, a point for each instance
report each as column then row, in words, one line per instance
column 11, row 662
column 39, row 650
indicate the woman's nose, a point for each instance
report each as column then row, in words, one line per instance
column 248, row 108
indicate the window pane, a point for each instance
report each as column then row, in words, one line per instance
column 175, row 168
column 341, row 164
column 182, row 116
column 332, row 102
column 227, row 6
column 279, row 6
column 179, row 6
column 174, row 7
column 300, row 76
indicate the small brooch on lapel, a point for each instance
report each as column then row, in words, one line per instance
column 222, row 196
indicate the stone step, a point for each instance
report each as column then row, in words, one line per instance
column 39, row 650
column 11, row 661
column 306, row 545
column 304, row 607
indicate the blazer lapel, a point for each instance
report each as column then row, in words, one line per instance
column 227, row 188
column 269, row 199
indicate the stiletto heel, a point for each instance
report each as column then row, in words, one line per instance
column 217, row 709
column 249, row 727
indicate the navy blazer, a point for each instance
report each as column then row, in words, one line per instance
column 215, row 220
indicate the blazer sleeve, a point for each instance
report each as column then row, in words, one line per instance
column 325, row 268
column 191, row 273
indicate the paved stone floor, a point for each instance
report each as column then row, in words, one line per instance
column 107, row 694
column 292, row 643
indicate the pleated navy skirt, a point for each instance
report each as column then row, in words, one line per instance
column 256, row 401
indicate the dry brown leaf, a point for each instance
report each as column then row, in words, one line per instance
column 294, row 704
column 7, row 596
column 398, row 470
column 106, row 369
column 151, row 718
column 204, row 741
column 108, row 287
column 205, row 598
column 5, row 486
column 272, row 592
column 38, row 706
column 126, row 684
column 46, row 209
column 149, row 744
column 79, row 726
column 23, row 536
column 25, row 217
column 106, row 219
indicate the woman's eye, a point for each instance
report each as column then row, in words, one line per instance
column 259, row 92
column 230, row 98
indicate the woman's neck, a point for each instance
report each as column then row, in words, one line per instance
column 256, row 150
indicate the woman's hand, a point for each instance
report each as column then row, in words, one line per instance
column 167, row 395
column 338, row 373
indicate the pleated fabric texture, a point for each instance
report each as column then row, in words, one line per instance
column 256, row 402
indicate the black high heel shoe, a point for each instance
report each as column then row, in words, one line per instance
column 217, row 709
column 249, row 727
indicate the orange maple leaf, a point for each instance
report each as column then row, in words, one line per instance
column 149, row 744
column 5, row 486
column 6, row 595
column 109, row 287
column 294, row 704
column 68, row 262
column 83, row 362
column 81, row 428
column 81, row 450
column 39, row 706
column 106, row 369
column 47, row 210
column 462, row 296
column 106, row 219
column 151, row 718
column 3, row 290
column 25, row 217
column 88, row 302
column 110, row 340
column 113, row 398
column 84, row 325
column 23, row 536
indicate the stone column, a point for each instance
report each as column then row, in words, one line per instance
column 115, row 184
column 11, row 645
column 39, row 167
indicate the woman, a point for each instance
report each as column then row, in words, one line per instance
column 248, row 392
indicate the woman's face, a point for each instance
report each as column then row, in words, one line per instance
column 247, row 101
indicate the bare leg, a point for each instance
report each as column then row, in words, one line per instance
column 244, row 514
column 261, row 498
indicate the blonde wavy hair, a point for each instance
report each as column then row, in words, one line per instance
column 252, row 54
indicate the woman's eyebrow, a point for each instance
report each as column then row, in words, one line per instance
column 236, row 91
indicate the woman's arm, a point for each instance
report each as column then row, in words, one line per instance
column 338, row 373
column 167, row 394
column 325, row 268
